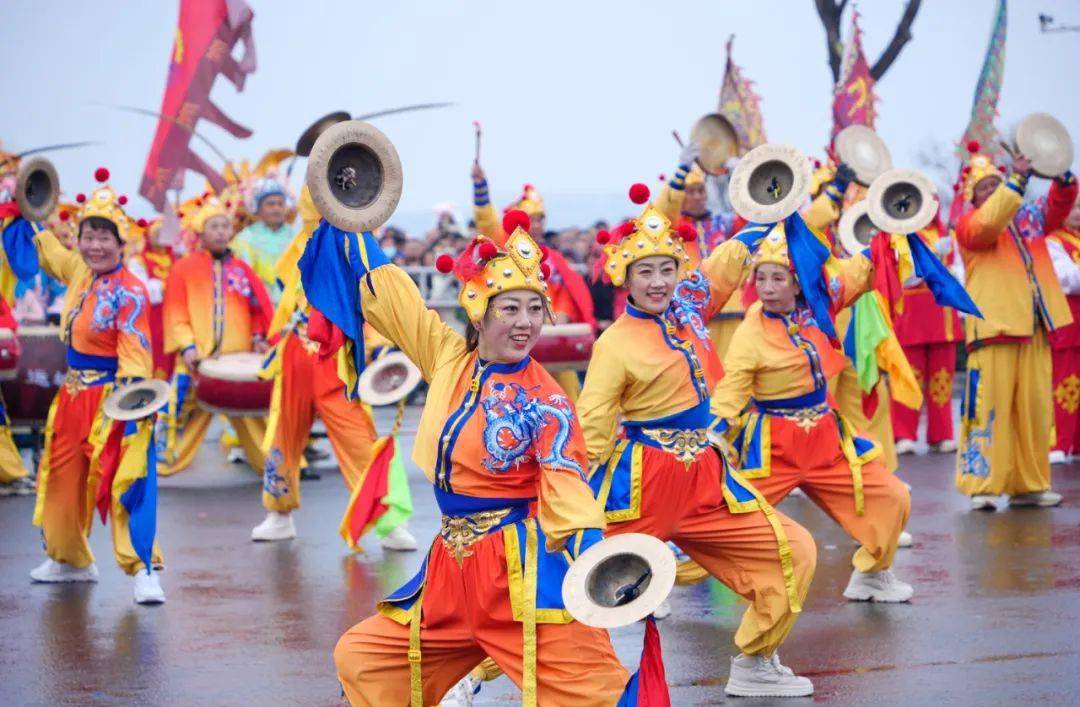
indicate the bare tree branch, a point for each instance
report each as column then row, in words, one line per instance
column 830, row 13
column 900, row 38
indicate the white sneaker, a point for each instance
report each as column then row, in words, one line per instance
column 663, row 611
column 983, row 502
column 148, row 588
column 51, row 571
column 1058, row 457
column 905, row 539
column 880, row 586
column 236, row 455
column 1042, row 499
column 947, row 446
column 758, row 676
column 905, row 446
column 399, row 539
column 277, row 526
column 462, row 694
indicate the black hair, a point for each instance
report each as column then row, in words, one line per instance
column 100, row 224
column 472, row 336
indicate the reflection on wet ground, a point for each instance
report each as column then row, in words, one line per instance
column 993, row 621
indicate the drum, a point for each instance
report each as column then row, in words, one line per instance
column 230, row 385
column 564, row 347
column 9, row 355
column 39, row 375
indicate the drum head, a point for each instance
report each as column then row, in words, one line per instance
column 864, row 151
column 716, row 137
column 135, row 401
column 902, row 201
column 770, row 183
column 240, row 367
column 388, row 379
column 591, row 587
column 1046, row 142
column 354, row 176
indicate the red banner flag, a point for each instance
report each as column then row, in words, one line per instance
column 853, row 99
column 206, row 35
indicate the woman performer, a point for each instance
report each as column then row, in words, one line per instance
column 655, row 367
column 500, row 442
column 780, row 361
column 89, row 459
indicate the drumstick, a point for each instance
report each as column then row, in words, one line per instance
column 476, row 124
column 1008, row 149
column 675, row 134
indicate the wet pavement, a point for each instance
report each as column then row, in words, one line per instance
column 994, row 619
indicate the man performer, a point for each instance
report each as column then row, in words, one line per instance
column 90, row 460
column 151, row 265
column 263, row 242
column 214, row 304
column 1007, row 410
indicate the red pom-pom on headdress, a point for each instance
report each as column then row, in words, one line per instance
column 623, row 230
column 639, row 193
column 101, row 174
column 444, row 263
column 1001, row 169
column 545, row 270
column 487, row 250
column 228, row 204
column 80, row 197
column 545, row 253
column 198, row 202
column 122, row 199
column 662, row 177
column 603, row 237
column 973, row 146
column 515, row 219
column 64, row 215
column 142, row 223
column 687, row 231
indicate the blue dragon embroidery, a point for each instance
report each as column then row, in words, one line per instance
column 111, row 298
column 274, row 483
column 515, row 423
column 688, row 304
column 973, row 461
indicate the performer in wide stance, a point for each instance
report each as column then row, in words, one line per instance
column 655, row 367
column 90, row 460
column 214, row 304
column 502, row 447
column 780, row 361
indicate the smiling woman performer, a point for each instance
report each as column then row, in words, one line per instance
column 500, row 443
column 780, row 360
column 655, row 365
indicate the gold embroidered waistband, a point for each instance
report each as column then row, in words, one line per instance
column 684, row 445
column 81, row 378
column 459, row 533
column 805, row 417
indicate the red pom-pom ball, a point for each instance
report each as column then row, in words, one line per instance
column 515, row 219
column 142, row 223
column 198, row 202
column 487, row 250
column 545, row 270
column 122, row 199
column 1002, row 169
column 603, row 237
column 967, row 169
column 64, row 215
column 180, row 214
column 444, row 263
column 228, row 204
column 80, row 197
column 101, row 174
column 973, row 146
column 687, row 232
column 639, row 193
column 544, row 253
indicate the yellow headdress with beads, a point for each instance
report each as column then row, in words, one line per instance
column 695, row 176
column 211, row 206
column 530, row 202
column 104, row 203
column 979, row 167
column 772, row 250
column 651, row 233
column 486, row 271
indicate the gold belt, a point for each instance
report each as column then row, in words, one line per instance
column 803, row 417
column 459, row 533
column 684, row 445
column 80, row 379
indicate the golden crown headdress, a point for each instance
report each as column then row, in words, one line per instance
column 647, row 235
column 104, row 203
column 530, row 202
column 485, row 270
column 979, row 167
column 772, row 249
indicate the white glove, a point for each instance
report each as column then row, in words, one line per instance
column 689, row 154
column 943, row 246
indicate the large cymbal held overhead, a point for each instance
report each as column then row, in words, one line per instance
column 309, row 136
column 619, row 580
column 354, row 176
column 902, row 201
column 770, row 183
column 856, row 229
column 862, row 149
column 1045, row 141
column 37, row 188
column 718, row 141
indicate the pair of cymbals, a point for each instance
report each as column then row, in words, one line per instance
column 898, row 201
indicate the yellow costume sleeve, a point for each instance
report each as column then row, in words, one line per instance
column 600, row 400
column 670, row 203
column 176, row 316
column 985, row 225
column 725, row 269
column 849, row 279
column 487, row 222
column 393, row 306
column 734, row 390
column 822, row 212
column 566, row 504
column 58, row 262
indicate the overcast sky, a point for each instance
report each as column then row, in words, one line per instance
column 578, row 98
